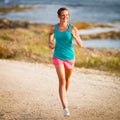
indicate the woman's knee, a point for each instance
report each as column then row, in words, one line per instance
column 62, row 82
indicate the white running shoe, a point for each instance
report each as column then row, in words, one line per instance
column 66, row 112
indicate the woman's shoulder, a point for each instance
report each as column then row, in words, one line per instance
column 52, row 28
column 74, row 27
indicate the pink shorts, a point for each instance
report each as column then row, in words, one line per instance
column 68, row 64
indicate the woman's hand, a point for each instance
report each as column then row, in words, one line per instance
column 51, row 37
column 51, row 45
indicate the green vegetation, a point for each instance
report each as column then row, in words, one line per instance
column 30, row 44
column 102, row 59
column 4, row 36
column 113, row 63
column 82, row 25
column 14, row 9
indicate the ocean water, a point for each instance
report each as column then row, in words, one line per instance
column 97, row 43
column 45, row 11
column 81, row 10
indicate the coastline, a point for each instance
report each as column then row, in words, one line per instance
column 16, row 9
column 29, row 83
column 22, row 40
column 87, row 30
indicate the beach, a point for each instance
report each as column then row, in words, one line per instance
column 28, row 80
column 29, row 91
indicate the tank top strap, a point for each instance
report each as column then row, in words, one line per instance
column 70, row 27
column 56, row 27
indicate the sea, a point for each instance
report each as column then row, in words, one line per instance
column 45, row 11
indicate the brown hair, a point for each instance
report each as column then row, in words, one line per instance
column 60, row 10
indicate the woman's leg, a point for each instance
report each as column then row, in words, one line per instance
column 68, row 73
column 62, row 84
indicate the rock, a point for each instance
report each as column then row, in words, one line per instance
column 5, row 23
column 105, row 35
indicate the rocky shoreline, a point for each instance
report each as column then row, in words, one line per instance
column 16, row 8
column 113, row 34
column 104, row 35
column 93, row 30
column 22, row 40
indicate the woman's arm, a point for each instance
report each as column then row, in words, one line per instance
column 51, row 37
column 76, row 36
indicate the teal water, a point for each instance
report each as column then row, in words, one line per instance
column 114, row 44
column 81, row 10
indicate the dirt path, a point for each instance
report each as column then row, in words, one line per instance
column 29, row 91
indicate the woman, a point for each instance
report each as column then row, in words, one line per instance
column 63, row 56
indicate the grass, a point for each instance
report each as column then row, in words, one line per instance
column 113, row 63
column 36, row 51
column 31, row 45
column 82, row 25
column 10, row 9
column 5, row 36
column 89, row 62
column 98, row 59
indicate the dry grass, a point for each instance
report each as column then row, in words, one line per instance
column 30, row 44
column 102, row 59
column 86, row 25
column 6, row 9
column 25, row 44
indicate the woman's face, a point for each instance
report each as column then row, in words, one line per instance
column 64, row 16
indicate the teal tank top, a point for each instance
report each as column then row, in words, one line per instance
column 63, row 46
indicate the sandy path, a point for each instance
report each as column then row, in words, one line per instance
column 29, row 92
